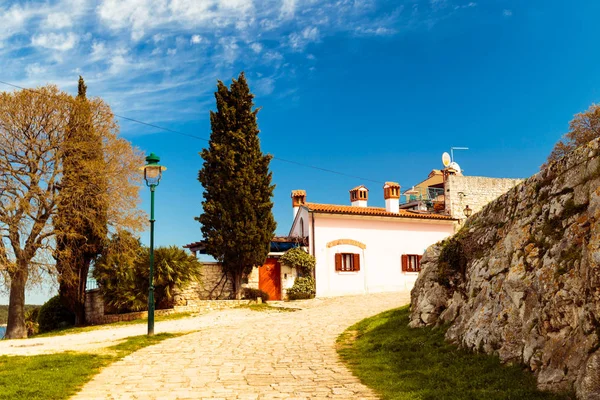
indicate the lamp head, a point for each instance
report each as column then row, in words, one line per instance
column 468, row 211
column 152, row 170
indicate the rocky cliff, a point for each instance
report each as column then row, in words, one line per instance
column 521, row 279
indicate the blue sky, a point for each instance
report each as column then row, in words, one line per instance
column 371, row 88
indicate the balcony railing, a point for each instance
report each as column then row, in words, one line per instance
column 429, row 195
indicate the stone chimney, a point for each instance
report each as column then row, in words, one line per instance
column 298, row 200
column 359, row 196
column 391, row 194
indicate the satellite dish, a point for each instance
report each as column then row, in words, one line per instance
column 455, row 167
column 446, row 159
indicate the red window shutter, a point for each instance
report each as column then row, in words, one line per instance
column 356, row 262
column 419, row 262
column 338, row 262
column 404, row 262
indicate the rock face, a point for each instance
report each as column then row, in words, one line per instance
column 521, row 279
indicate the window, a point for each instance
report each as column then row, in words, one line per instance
column 302, row 227
column 347, row 262
column 411, row 263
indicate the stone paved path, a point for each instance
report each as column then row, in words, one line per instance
column 277, row 356
column 111, row 335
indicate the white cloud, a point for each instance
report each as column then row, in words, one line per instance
column 298, row 41
column 35, row 69
column 58, row 20
column 507, row 13
column 288, row 8
column 256, row 47
column 137, row 53
column 98, row 51
column 55, row 41
column 229, row 50
column 264, row 86
column 273, row 56
column 379, row 31
column 159, row 37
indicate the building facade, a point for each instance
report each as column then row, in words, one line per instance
column 361, row 249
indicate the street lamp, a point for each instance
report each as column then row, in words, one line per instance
column 468, row 211
column 152, row 174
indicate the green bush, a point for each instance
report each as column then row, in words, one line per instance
column 303, row 288
column 253, row 294
column 31, row 321
column 299, row 259
column 122, row 274
column 54, row 315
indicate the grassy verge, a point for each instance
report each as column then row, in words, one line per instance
column 68, row 331
column 59, row 376
column 266, row 307
column 398, row 362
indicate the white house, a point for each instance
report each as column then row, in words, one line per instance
column 362, row 249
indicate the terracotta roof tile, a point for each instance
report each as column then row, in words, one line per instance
column 374, row 211
column 360, row 187
column 298, row 193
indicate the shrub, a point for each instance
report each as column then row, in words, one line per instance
column 253, row 294
column 299, row 259
column 303, row 288
column 123, row 271
column 31, row 321
column 54, row 315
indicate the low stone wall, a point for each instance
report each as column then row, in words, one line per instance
column 94, row 306
column 211, row 285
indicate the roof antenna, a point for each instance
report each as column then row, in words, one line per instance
column 452, row 151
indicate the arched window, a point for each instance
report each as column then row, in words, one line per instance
column 301, row 226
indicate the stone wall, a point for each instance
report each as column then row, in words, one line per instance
column 474, row 191
column 521, row 279
column 211, row 286
column 94, row 306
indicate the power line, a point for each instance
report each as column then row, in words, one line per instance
column 204, row 139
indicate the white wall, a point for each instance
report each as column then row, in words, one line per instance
column 386, row 239
column 301, row 216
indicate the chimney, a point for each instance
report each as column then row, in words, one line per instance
column 359, row 196
column 298, row 200
column 391, row 194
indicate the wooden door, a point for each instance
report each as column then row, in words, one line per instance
column 269, row 278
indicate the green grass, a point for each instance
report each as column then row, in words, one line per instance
column 59, row 376
column 403, row 363
column 266, row 307
column 68, row 331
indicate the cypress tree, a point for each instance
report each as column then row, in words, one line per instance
column 237, row 221
column 81, row 221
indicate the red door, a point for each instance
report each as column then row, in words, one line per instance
column 269, row 278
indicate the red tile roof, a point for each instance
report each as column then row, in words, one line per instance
column 374, row 211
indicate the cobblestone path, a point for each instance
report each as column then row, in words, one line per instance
column 284, row 355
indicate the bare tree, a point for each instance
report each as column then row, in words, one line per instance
column 33, row 124
column 31, row 131
column 583, row 128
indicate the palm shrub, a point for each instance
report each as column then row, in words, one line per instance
column 304, row 284
column 122, row 274
column 117, row 276
column 172, row 267
column 31, row 321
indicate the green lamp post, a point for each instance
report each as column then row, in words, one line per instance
column 152, row 174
